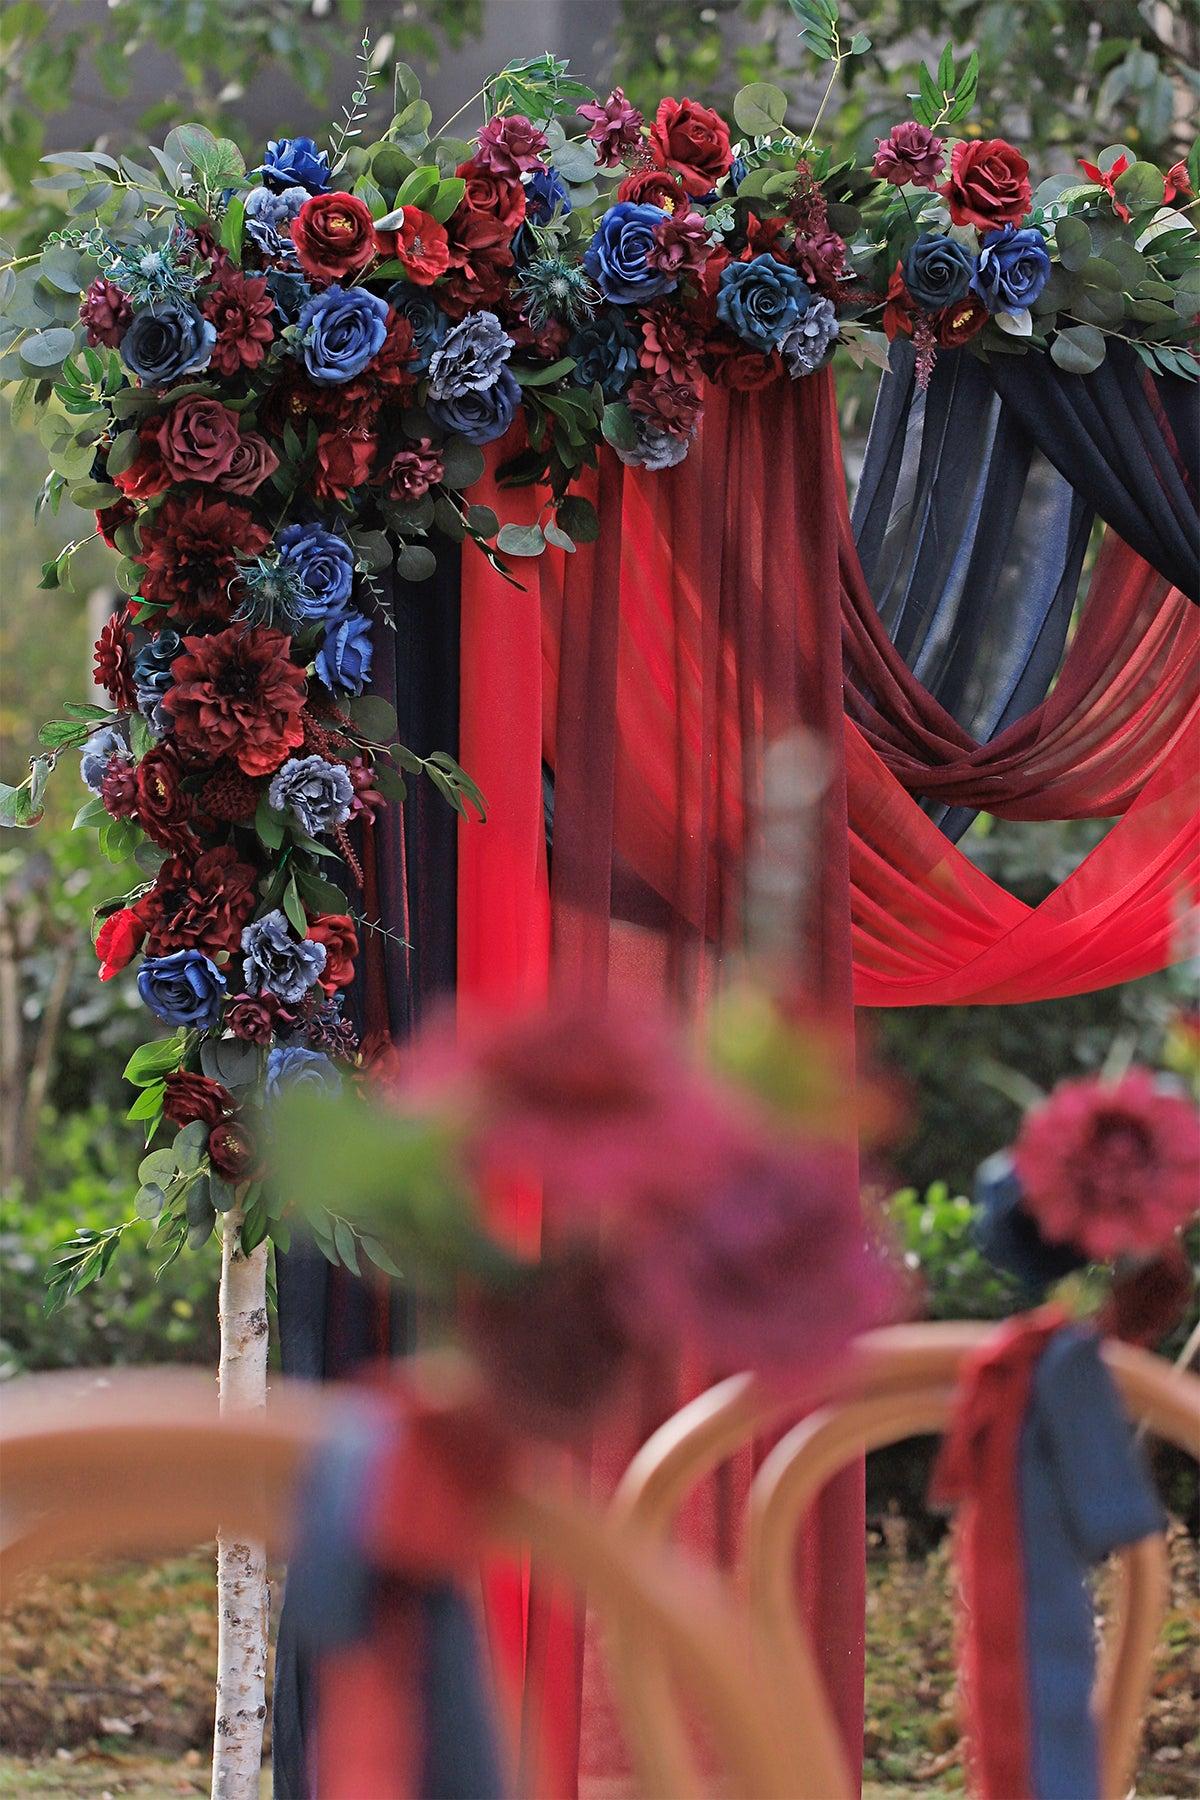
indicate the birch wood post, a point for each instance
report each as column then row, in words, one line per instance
column 243, row 1601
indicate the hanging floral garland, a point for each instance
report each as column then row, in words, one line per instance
column 271, row 384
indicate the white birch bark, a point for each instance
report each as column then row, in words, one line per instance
column 242, row 1597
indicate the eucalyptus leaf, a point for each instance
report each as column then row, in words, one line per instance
column 1078, row 349
column 760, row 108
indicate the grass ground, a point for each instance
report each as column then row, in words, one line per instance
column 105, row 1682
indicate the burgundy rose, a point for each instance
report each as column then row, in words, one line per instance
column 238, row 694
column 240, row 307
column 692, row 139
column 117, row 941
column 734, row 365
column 910, row 153
column 147, row 474
column 988, row 184
column 118, row 787
column 109, row 520
column 336, row 931
column 106, row 312
column 681, row 244
column 197, row 438
column 510, row 143
column 165, row 809
column 190, row 1097
column 412, row 471
column 614, row 126
column 255, row 1018
column 199, row 903
column 667, row 403
column 822, row 262
column 654, row 187
column 191, row 549
column 492, row 195
column 253, row 462
column 334, row 236
column 113, row 666
column 392, row 368
column 232, row 1151
column 959, row 323
column 480, row 258
column 671, row 344
column 343, row 463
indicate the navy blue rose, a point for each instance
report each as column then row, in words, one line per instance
column 289, row 290
column 1013, row 268
column 277, row 963
column 324, row 564
column 479, row 416
column 291, row 1065
column 185, row 988
column 269, row 214
column 152, row 664
column 618, row 257
column 295, row 162
column 166, row 342
column 546, row 193
column 938, row 271
column 605, row 351
column 343, row 329
column 344, row 660
column 761, row 300
column 429, row 323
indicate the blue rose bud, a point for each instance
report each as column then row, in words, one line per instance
column 479, row 416
column 295, row 162
column 605, row 352
column 1013, row 268
column 291, row 1065
column 342, row 330
column 166, row 342
column 324, row 564
column 761, row 300
column 937, row 271
column 344, row 660
column 185, row 988
column 618, row 257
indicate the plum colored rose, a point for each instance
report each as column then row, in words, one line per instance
column 910, row 155
column 988, row 184
column 197, row 439
column 1013, row 268
column 334, row 235
column 681, row 244
column 694, row 141
column 253, row 462
column 509, row 144
column 413, row 471
column 183, row 989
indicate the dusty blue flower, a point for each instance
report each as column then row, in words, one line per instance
column 295, row 162
column 277, row 962
column 605, row 351
column 655, row 449
column 96, row 753
column 429, row 323
column 268, row 216
column 1013, row 268
column 324, row 565
column 152, row 664
column 343, row 328
column 937, row 271
column 163, row 344
column 480, row 416
column 185, row 988
column 806, row 345
column 319, row 794
column 618, row 257
column 344, row 660
column 470, row 357
column 291, row 1065
column 761, row 300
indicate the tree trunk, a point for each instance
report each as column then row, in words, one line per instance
column 242, row 1596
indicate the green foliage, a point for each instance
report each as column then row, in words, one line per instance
column 934, row 1231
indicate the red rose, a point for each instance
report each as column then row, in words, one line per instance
column 197, row 439
column 734, row 365
column 492, row 196
column 240, row 307
column 988, row 185
column 190, row 1097
column 117, row 941
column 336, row 931
column 420, row 244
column 392, row 368
column 654, row 187
column 692, row 139
column 344, row 461
column 238, row 694
column 109, row 520
column 199, row 902
column 191, row 549
column 255, row 1017
column 147, row 474
column 113, row 665
column 480, row 258
column 165, row 809
column 232, row 1151
column 412, row 471
column 958, row 323
column 334, row 236
column 252, row 462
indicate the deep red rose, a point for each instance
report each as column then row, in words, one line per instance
column 232, row 1150
column 190, row 1097
column 238, row 694
column 420, row 244
column 165, row 809
column 692, row 139
column 655, row 187
column 480, row 258
column 190, row 549
column 113, row 666
column 734, row 365
column 106, row 312
column 336, row 931
column 197, row 439
column 350, row 404
column 909, row 153
column 671, row 344
column 334, row 236
column 344, row 461
column 412, row 471
column 988, row 184
column 253, row 462
column 118, row 787
column 199, row 902
column 492, row 196
column 117, row 941
column 510, row 143
column 392, row 368
column 898, row 312
column 255, row 1018
column 240, row 306
column 109, row 520
column 957, row 324
column 147, row 474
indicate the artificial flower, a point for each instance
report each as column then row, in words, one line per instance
column 667, row 404
column 255, row 1018
column 1107, row 179
column 199, row 902
column 106, row 313
column 1013, row 268
column 509, row 144
column 113, row 661
column 336, row 931
column 421, row 244
column 197, row 439
column 191, row 549
column 238, row 694
column 490, row 195
column 605, row 352
column 334, row 236
column 165, row 808
column 470, row 357
column 344, row 460
column 253, row 462
column 188, row 1096
column 118, row 941
column 671, row 343
column 425, row 319
column 619, row 257
column 315, row 791
column 166, row 342
column 959, row 323
column 147, row 474
column 295, row 162
column 343, row 662
column 910, row 155
column 275, row 962
column 480, row 416
column 268, row 223
column 231, row 1150
column 655, row 187
column 692, row 140
column 412, row 471
column 937, row 270
column 342, row 329
column 290, row 1066
column 614, row 127
column 805, row 345
column 761, row 300
column 98, row 749
column 185, row 988
column 988, row 184
column 323, row 564
column 681, row 244
column 241, row 308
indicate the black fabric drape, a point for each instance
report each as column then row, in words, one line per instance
column 328, row 1321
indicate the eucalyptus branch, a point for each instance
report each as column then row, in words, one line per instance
column 352, row 114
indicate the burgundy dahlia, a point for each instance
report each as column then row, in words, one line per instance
column 199, row 903
column 114, row 662
column 106, row 313
column 118, row 788
column 672, row 342
column 230, row 796
column 191, row 550
column 240, row 307
column 238, row 694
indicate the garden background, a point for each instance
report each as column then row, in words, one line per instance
column 1063, row 79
